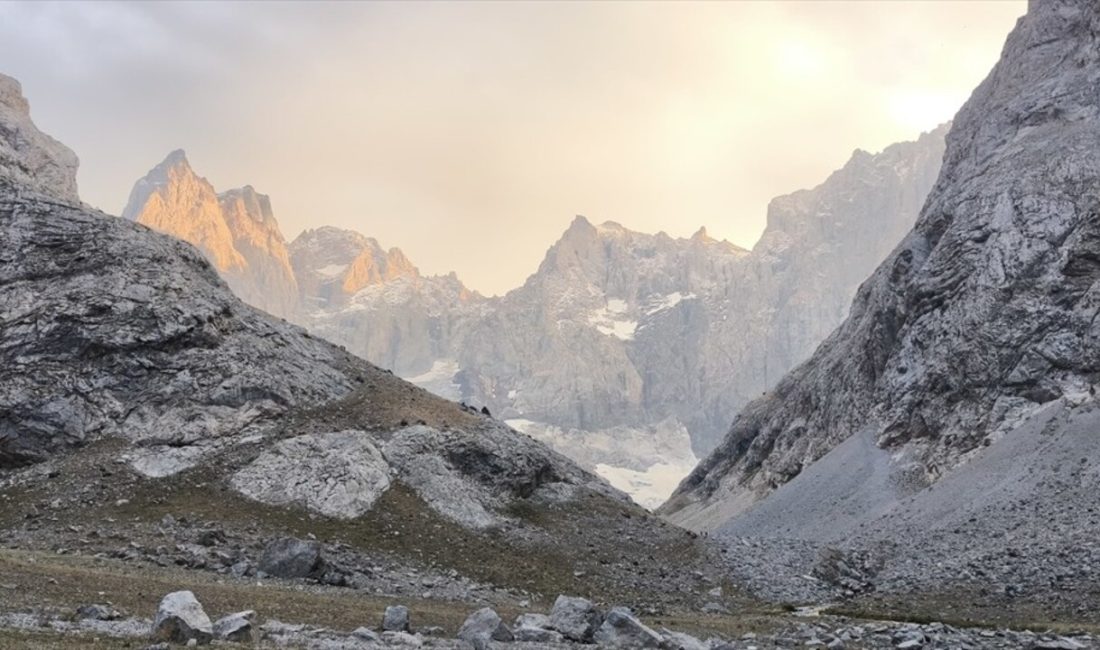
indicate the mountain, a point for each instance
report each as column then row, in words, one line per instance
column 646, row 344
column 140, row 400
column 376, row 302
column 235, row 230
column 977, row 333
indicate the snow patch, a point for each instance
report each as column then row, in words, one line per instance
column 332, row 270
column 649, row 488
column 646, row 462
column 660, row 303
column 440, row 379
column 609, row 320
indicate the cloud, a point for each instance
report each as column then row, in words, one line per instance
column 469, row 134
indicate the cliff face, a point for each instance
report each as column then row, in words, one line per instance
column 983, row 313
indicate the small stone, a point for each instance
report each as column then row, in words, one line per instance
column 484, row 626
column 235, row 627
column 366, row 634
column 97, row 613
column 396, row 619
column 621, row 629
column 401, row 639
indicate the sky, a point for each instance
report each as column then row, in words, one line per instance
column 470, row 134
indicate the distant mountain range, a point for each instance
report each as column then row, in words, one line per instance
column 629, row 352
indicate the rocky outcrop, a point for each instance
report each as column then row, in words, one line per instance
column 236, row 231
column 335, row 474
column 31, row 159
column 982, row 314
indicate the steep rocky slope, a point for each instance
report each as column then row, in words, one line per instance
column 236, row 231
column 984, row 313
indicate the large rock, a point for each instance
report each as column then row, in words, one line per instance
column 621, row 629
column 289, row 557
column 483, row 626
column 335, row 474
column 180, row 618
column 576, row 618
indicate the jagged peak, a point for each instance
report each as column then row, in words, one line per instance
column 701, row 234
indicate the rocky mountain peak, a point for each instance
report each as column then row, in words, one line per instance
column 30, row 159
column 236, row 230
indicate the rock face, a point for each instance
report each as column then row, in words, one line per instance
column 29, row 158
column 180, row 618
column 986, row 310
column 236, row 231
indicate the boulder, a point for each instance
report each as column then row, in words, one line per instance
column 289, row 557
column 180, row 618
column 484, row 626
column 576, row 618
column 396, row 619
column 235, row 627
column 621, row 629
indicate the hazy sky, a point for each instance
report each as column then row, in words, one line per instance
column 469, row 134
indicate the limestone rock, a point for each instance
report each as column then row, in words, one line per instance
column 395, row 619
column 576, row 618
column 336, row 474
column 289, row 557
column 235, row 627
column 484, row 626
column 621, row 629
column 180, row 619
